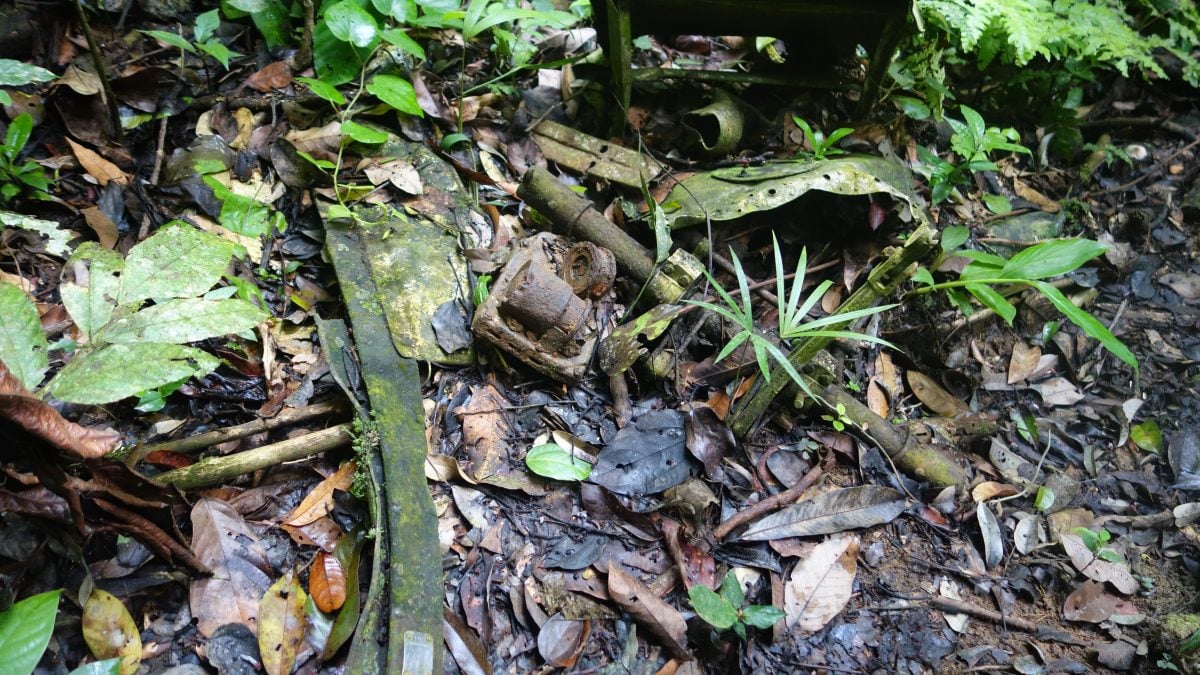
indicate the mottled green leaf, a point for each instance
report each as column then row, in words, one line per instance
column 92, row 306
column 712, row 608
column 18, row 74
column 56, row 237
column 23, row 347
column 1147, row 436
column 183, row 320
column 552, row 461
column 114, row 372
column 178, row 261
column 762, row 616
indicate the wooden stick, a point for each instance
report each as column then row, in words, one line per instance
column 213, row 470
column 767, row 505
column 208, row 439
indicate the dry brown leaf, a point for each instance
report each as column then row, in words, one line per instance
column 934, row 396
column 1058, row 391
column 97, row 167
column 1089, row 603
column 1024, row 361
column 224, row 543
column 1096, row 569
column 877, row 400
column 1029, row 194
column 821, row 584
column 275, row 75
column 660, row 619
column 887, row 375
column 992, row 490
column 485, row 430
column 102, row 225
column 319, row 502
column 40, row 419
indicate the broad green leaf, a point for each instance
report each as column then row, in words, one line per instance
column 997, row 204
column 712, row 608
column 552, row 461
column 18, row 74
column 1044, row 499
column 177, row 261
column 173, row 39
column 23, row 347
column 731, row 590
column 5, row 99
column 207, row 24
column 993, row 301
column 105, row 667
column 399, row 38
column 396, row 92
column 914, row 108
column 243, row 215
column 363, row 134
column 184, row 320
column 273, row 23
column 954, row 237
column 402, row 11
column 1051, row 258
column 92, row 306
column 336, row 61
column 350, row 23
column 974, row 120
column 114, row 372
column 762, row 616
column 17, row 134
column 249, row 6
column 324, row 90
column 1147, row 436
column 25, row 630
column 477, row 22
column 218, row 51
column 1087, row 322
column 57, row 239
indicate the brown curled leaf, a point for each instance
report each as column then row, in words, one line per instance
column 42, row 421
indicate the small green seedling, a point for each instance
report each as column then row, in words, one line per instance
column 725, row 610
column 822, row 146
column 839, row 420
column 204, row 40
column 17, row 176
column 974, row 142
column 1095, row 542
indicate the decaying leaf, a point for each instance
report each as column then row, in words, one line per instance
column 660, row 619
column 560, row 641
column 989, row 490
column 223, row 542
column 1089, row 603
column 993, row 537
column 485, row 430
column 934, row 396
column 645, row 457
column 43, row 421
column 1023, row 362
column 1096, row 569
column 319, row 502
column 1058, row 391
column 281, row 624
column 708, row 439
column 110, row 631
column 836, row 511
column 464, row 645
column 327, row 582
column 821, row 583
column 97, row 167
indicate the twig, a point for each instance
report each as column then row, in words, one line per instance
column 152, row 536
column 215, row 437
column 767, row 505
column 214, row 470
column 110, row 98
column 1150, row 172
column 1151, row 122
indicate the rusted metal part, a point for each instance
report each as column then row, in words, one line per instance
column 593, row 156
column 542, row 308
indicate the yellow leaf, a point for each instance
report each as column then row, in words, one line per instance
column 281, row 625
column 110, row 631
column 99, row 168
column 319, row 502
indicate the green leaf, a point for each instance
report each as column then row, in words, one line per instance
column 57, row 239
column 1044, row 499
column 249, row 6
column 324, row 90
column 1051, row 258
column 402, row 11
column 17, row 74
column 994, row 301
column 183, row 320
column 1087, row 323
column 207, row 24
column 23, row 347
column 363, row 134
column 997, row 204
column 18, row 134
column 173, row 39
column 731, row 590
column 105, row 667
column 350, row 23
column 914, row 108
column 243, row 215
column 399, row 38
column 5, row 99
column 396, row 92
column 762, row 616
column 336, row 61
column 712, row 608
column 273, row 22
column 177, row 261
column 92, row 306
column 451, row 140
column 25, row 630
column 1147, row 436
column 923, row 276
column 218, row 51
column 114, row 372
column 955, row 236
column 552, row 461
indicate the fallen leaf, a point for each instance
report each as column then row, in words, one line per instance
column 42, row 420
column 660, row 619
column 319, row 502
column 877, row 400
column 327, row 582
column 275, row 75
column 989, row 490
column 821, row 584
column 993, row 537
column 1024, row 361
column 102, row 225
column 281, row 625
column 485, row 430
column 836, row 511
column 560, row 641
column 227, row 546
column 1096, row 569
column 1187, row 285
column 1058, row 391
column 934, row 396
column 97, row 167
column 707, row 438
column 399, row 172
column 464, row 645
column 110, row 631
column 645, row 457
column 1028, row 533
